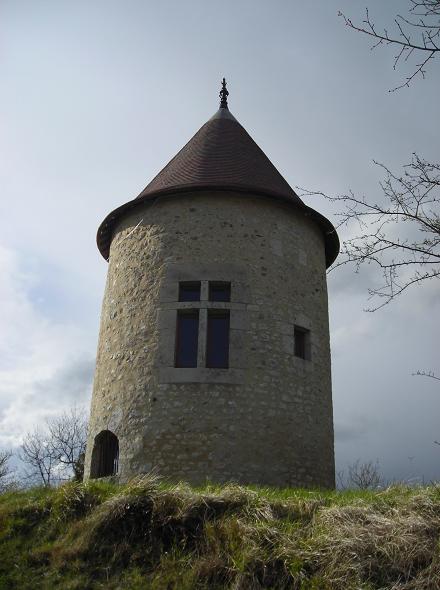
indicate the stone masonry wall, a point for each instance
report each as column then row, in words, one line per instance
column 268, row 418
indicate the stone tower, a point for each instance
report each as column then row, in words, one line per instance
column 213, row 358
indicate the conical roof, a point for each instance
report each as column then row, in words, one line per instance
column 221, row 156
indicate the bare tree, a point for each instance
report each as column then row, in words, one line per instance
column 399, row 233
column 40, row 457
column 68, row 436
column 57, row 452
column 6, row 472
column 415, row 36
column 362, row 476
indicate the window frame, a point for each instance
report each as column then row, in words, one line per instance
column 205, row 307
column 219, row 313
column 196, row 285
column 181, row 313
column 215, row 284
column 302, row 350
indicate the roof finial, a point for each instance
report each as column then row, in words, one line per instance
column 223, row 96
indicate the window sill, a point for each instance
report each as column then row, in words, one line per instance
column 201, row 375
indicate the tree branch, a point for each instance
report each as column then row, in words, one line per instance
column 400, row 233
column 426, row 27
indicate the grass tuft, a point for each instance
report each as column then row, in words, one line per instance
column 150, row 534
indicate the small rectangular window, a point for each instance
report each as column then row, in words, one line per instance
column 219, row 291
column 217, row 353
column 187, row 338
column 301, row 338
column 189, row 291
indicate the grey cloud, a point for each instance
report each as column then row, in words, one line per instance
column 70, row 384
column 347, row 433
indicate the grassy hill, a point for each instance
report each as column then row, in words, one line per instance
column 152, row 535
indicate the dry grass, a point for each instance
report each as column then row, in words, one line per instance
column 394, row 546
column 151, row 535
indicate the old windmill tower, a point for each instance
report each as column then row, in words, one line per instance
column 213, row 358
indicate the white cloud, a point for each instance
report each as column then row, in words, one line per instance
column 45, row 365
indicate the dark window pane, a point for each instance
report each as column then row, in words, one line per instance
column 219, row 291
column 301, row 338
column 189, row 291
column 187, row 338
column 218, row 340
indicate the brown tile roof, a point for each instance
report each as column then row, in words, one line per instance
column 221, row 156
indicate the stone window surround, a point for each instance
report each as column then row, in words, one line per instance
column 305, row 333
column 303, row 322
column 167, row 321
column 203, row 306
column 241, row 302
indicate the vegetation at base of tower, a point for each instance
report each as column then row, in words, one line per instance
column 149, row 534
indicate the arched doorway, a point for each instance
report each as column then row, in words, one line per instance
column 105, row 455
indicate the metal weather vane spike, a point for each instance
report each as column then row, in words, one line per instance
column 224, row 95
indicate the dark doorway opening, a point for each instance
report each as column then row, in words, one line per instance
column 105, row 455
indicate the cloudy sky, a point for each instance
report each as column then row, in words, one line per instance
column 96, row 97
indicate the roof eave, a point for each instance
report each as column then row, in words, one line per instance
column 105, row 230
